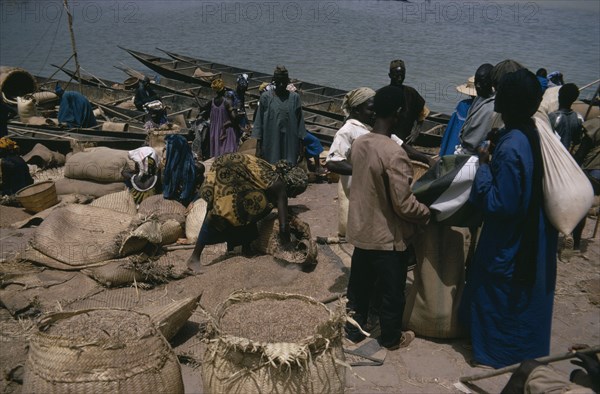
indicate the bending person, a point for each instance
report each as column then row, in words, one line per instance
column 75, row 109
column 240, row 190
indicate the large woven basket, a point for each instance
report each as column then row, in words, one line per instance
column 314, row 364
column 68, row 363
column 39, row 196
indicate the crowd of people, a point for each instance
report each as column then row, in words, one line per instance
column 507, row 303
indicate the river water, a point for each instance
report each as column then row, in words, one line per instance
column 344, row 44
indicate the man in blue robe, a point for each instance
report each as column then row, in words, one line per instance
column 508, row 298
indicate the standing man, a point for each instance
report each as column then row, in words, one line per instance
column 383, row 217
column 479, row 118
column 414, row 109
column 279, row 123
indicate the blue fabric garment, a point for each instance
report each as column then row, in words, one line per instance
column 312, row 145
column 543, row 83
column 75, row 110
column 509, row 321
column 450, row 138
column 179, row 182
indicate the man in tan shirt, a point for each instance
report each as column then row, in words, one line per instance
column 383, row 217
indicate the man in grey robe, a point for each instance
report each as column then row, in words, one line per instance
column 279, row 123
column 479, row 117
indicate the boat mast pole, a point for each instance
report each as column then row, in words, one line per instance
column 70, row 19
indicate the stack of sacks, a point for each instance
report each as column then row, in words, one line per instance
column 95, row 172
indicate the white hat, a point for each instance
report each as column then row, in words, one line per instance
column 468, row 88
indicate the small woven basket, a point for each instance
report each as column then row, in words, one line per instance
column 37, row 197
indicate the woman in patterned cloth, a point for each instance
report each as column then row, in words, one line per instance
column 240, row 190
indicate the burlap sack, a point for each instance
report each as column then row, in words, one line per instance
column 114, row 273
column 240, row 365
column 87, row 188
column 98, row 164
column 119, row 202
column 26, row 107
column 44, row 157
column 194, row 219
column 100, row 350
column 163, row 209
column 79, row 235
column 432, row 304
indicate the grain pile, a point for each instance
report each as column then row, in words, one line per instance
column 272, row 320
column 102, row 326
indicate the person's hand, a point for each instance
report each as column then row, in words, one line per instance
column 483, row 151
column 222, row 137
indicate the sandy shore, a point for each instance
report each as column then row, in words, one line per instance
column 426, row 366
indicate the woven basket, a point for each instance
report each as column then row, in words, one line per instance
column 419, row 169
column 37, row 197
column 194, row 219
column 139, row 360
column 239, row 365
column 303, row 249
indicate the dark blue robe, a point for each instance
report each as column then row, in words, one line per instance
column 75, row 110
column 509, row 321
column 455, row 124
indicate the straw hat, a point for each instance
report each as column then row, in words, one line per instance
column 468, row 88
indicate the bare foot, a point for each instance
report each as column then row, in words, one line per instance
column 194, row 266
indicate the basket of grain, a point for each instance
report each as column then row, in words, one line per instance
column 37, row 197
column 100, row 350
column 272, row 342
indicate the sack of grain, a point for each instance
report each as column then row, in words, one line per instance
column 26, row 107
column 100, row 350
column 87, row 188
column 80, row 235
column 119, row 202
column 100, row 164
column 432, row 303
column 162, row 208
column 568, row 194
column 44, row 157
column 271, row 342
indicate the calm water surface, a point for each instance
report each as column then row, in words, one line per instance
column 345, row 44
